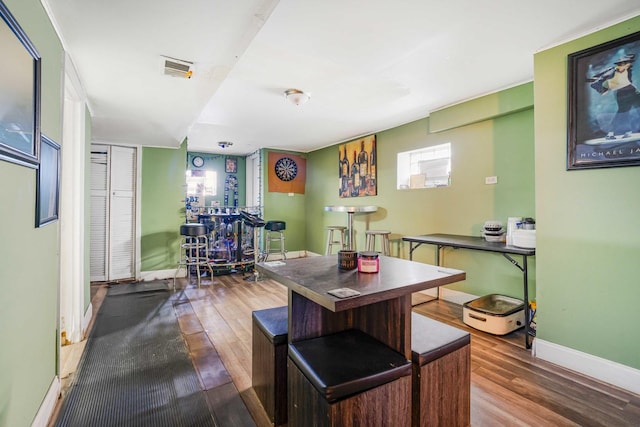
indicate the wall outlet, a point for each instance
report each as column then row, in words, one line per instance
column 290, row 194
column 491, row 180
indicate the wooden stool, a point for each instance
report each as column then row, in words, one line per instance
column 331, row 239
column 441, row 387
column 370, row 243
column 269, row 361
column 348, row 379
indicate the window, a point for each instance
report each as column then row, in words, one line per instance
column 425, row 168
column 201, row 183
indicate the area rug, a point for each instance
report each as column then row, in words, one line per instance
column 136, row 370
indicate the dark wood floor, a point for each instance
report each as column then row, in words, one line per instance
column 508, row 386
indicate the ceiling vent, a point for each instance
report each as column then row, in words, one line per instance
column 176, row 67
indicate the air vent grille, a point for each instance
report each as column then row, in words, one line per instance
column 177, row 68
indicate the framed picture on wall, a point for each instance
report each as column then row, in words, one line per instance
column 357, row 168
column 604, row 105
column 48, row 182
column 19, row 94
column 231, row 165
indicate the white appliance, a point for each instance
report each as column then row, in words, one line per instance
column 496, row 314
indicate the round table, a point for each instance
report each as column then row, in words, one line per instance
column 350, row 210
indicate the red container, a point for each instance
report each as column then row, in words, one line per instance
column 368, row 262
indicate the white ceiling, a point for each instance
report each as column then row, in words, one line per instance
column 368, row 65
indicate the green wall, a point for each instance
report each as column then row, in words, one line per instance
column 291, row 209
column 162, row 210
column 30, row 256
column 500, row 146
column 589, row 233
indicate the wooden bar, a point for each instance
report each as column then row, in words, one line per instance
column 383, row 308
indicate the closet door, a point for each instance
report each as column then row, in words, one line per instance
column 113, row 190
column 122, row 213
column 99, row 243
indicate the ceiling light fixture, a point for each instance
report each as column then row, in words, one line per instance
column 225, row 144
column 296, row 96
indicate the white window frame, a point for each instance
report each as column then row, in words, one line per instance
column 427, row 167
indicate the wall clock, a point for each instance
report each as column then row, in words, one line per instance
column 286, row 169
column 197, row 161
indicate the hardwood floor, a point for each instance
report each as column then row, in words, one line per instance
column 508, row 386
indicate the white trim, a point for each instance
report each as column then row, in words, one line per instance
column 48, row 404
column 147, row 276
column 455, row 297
column 275, row 256
column 86, row 320
column 593, row 366
column 138, row 214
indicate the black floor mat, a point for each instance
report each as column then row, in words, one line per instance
column 135, row 370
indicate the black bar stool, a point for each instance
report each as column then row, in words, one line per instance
column 336, row 379
column 269, row 361
column 194, row 250
column 441, row 385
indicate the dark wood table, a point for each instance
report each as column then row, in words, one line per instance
column 480, row 244
column 382, row 310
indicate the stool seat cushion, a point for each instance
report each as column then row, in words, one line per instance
column 273, row 322
column 193, row 229
column 275, row 225
column 347, row 363
column 431, row 339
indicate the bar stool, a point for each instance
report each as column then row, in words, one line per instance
column 339, row 378
column 370, row 243
column 275, row 234
column 194, row 250
column 269, row 361
column 441, row 387
column 332, row 240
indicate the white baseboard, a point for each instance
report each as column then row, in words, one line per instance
column 275, row 256
column 147, row 276
column 48, row 404
column 596, row 367
column 456, row 297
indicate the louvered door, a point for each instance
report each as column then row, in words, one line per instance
column 113, row 178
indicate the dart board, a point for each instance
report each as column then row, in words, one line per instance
column 286, row 169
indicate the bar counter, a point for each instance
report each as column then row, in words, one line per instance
column 382, row 309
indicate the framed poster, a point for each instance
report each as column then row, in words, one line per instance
column 357, row 168
column 19, row 94
column 48, row 182
column 604, row 105
column 231, row 165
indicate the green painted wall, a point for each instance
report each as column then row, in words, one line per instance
column 216, row 162
column 502, row 146
column 29, row 256
column 162, row 210
column 291, row 209
column 589, row 233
